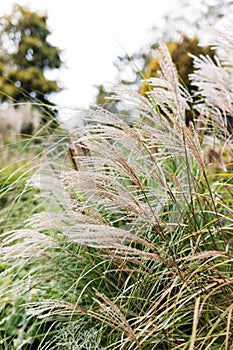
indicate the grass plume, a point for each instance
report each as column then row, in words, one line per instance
column 136, row 239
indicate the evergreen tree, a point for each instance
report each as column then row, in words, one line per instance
column 25, row 57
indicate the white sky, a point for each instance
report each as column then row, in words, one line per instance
column 92, row 34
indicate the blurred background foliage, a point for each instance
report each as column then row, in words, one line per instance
column 182, row 30
column 26, row 58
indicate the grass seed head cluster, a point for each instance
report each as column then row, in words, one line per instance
column 134, row 246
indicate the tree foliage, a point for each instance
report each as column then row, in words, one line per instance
column 26, row 55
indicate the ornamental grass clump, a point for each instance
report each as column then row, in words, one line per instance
column 134, row 247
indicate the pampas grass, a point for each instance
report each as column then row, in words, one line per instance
column 135, row 242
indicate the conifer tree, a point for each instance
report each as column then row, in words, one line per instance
column 25, row 56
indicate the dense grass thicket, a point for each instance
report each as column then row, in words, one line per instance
column 133, row 246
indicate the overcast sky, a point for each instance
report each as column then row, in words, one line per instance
column 92, row 34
